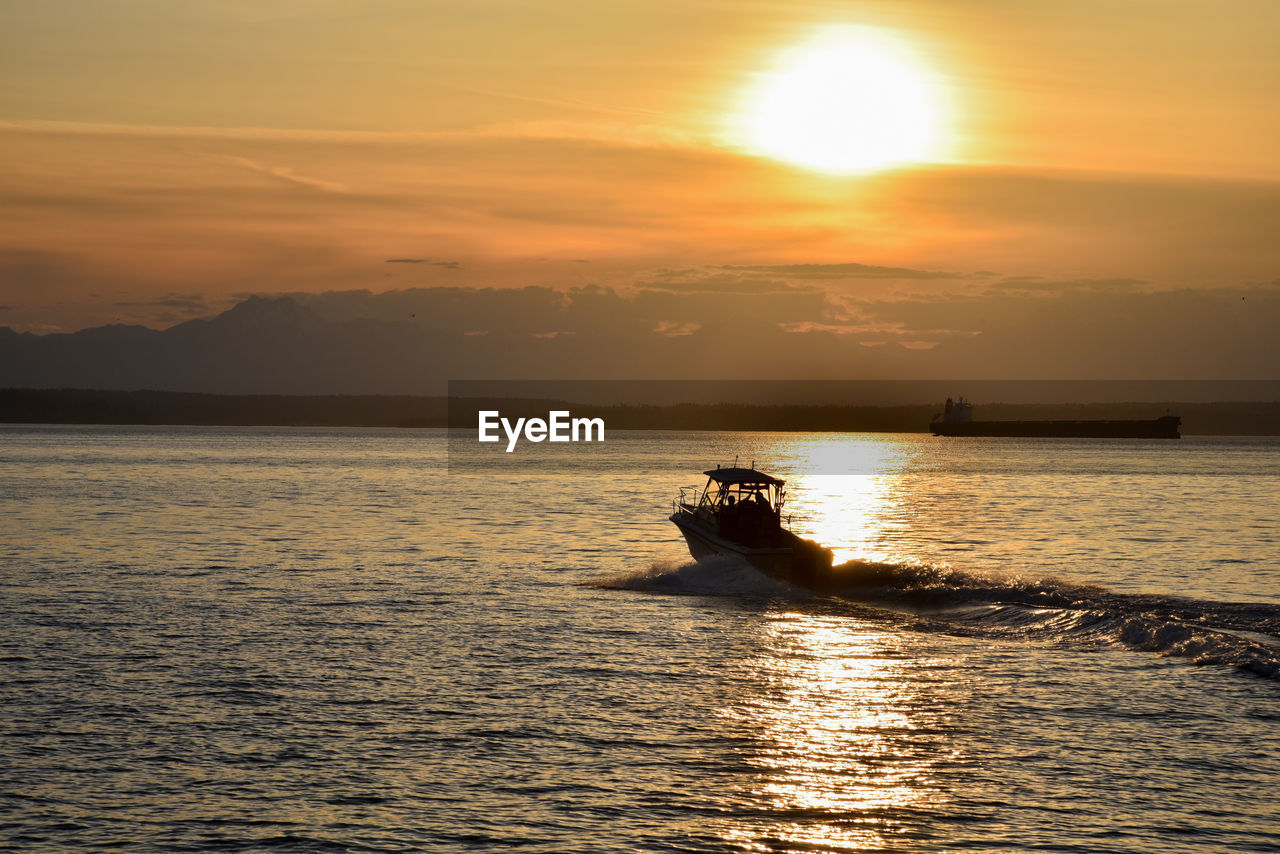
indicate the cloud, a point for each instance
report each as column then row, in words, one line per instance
column 190, row 302
column 172, row 308
column 675, row 329
column 803, row 327
column 286, row 174
column 448, row 265
column 411, row 340
column 244, row 134
column 1087, row 332
column 629, row 134
column 1068, row 328
column 846, row 270
column 296, row 213
column 714, row 282
column 1048, row 286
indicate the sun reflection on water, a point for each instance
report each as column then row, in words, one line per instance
column 846, row 741
column 845, row 512
column 845, row 492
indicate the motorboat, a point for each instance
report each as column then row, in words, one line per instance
column 738, row 513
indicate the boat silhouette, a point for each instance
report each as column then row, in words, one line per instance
column 738, row 513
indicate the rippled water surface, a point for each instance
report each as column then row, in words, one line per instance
column 271, row 639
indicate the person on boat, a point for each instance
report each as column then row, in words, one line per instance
column 732, row 522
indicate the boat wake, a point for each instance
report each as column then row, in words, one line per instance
column 934, row 598
column 1241, row 635
column 717, row 576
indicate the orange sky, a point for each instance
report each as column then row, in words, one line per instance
column 162, row 159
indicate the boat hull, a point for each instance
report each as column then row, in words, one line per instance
column 801, row 562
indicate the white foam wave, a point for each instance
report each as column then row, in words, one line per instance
column 924, row 585
column 1146, row 632
column 1200, row 645
column 1048, row 609
column 717, row 576
column 1000, row 605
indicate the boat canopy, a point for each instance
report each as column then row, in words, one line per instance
column 742, row 476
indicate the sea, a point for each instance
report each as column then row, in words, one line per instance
column 348, row 640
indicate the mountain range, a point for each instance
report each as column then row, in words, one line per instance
column 260, row 346
column 413, row 342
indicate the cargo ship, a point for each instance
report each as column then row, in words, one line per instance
column 956, row 419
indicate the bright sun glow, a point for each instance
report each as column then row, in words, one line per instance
column 849, row 100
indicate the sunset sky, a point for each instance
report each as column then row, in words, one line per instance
column 159, row 161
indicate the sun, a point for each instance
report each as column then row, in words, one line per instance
column 849, row 100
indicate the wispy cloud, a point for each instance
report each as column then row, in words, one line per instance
column 1043, row 285
column 841, row 271
column 618, row 133
column 285, row 173
column 186, row 302
column 676, row 329
column 448, row 265
column 714, row 282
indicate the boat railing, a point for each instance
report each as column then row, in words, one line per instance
column 688, row 500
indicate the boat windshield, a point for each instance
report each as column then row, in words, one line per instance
column 719, row 496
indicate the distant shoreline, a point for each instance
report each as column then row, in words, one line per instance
column 157, row 408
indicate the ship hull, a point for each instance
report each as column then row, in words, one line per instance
column 1165, row 427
